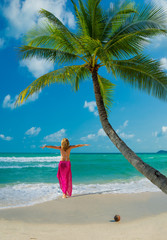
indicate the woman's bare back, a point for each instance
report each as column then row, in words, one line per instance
column 65, row 155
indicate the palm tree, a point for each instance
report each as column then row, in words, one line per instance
column 114, row 39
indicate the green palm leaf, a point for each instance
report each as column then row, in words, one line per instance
column 96, row 18
column 54, row 20
column 90, row 19
column 134, row 32
column 90, row 44
column 81, row 74
column 60, row 27
column 143, row 73
column 106, row 89
column 82, row 20
column 43, row 29
column 117, row 16
column 48, row 35
column 49, row 54
column 68, row 75
column 56, row 39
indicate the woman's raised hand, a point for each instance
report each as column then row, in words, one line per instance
column 43, row 147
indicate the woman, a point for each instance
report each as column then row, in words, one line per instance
column 64, row 174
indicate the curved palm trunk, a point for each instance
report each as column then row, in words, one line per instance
column 149, row 172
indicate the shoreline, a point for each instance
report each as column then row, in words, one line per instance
column 143, row 216
column 28, row 194
column 91, row 208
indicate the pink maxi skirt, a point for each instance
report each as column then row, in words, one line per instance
column 64, row 176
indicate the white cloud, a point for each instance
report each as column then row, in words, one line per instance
column 89, row 137
column 91, row 106
column 158, row 41
column 5, row 138
column 8, row 102
column 69, row 18
column 125, row 124
column 22, row 15
column 55, row 137
column 34, row 131
column 138, row 140
column 101, row 132
column 163, row 61
column 123, row 134
column 37, row 67
column 162, row 133
column 126, row 136
column 2, row 41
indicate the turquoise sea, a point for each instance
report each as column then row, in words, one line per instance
column 30, row 178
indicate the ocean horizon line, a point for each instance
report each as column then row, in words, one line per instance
column 79, row 152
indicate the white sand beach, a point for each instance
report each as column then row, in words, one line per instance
column 143, row 216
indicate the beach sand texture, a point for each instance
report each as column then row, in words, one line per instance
column 143, row 216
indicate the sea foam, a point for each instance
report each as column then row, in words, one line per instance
column 31, row 166
column 30, row 159
column 23, row 194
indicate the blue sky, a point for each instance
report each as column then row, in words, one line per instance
column 57, row 111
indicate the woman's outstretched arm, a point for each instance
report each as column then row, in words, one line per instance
column 55, row 147
column 79, row 145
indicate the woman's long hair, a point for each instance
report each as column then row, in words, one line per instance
column 65, row 144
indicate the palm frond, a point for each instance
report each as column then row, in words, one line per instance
column 105, row 57
column 150, row 17
column 132, row 35
column 133, row 43
column 43, row 29
column 54, row 20
column 117, row 16
column 90, row 18
column 143, row 73
column 81, row 74
column 90, row 44
column 96, row 18
column 47, row 34
column 48, row 54
column 60, row 27
column 56, row 39
column 82, row 20
column 67, row 75
column 154, row 13
column 106, row 89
